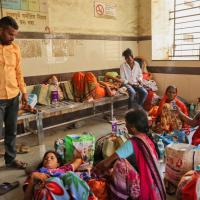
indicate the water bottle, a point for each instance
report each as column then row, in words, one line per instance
column 114, row 126
column 54, row 96
column 161, row 148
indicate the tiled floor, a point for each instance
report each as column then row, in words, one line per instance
column 97, row 126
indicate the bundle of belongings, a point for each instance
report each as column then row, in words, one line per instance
column 180, row 159
column 106, row 145
column 52, row 91
column 189, row 185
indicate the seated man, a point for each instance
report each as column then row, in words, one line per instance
column 131, row 76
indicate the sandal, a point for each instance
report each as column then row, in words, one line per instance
column 22, row 148
column 6, row 187
column 17, row 164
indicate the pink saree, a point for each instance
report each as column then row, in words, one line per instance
column 151, row 184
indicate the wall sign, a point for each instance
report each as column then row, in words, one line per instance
column 104, row 10
column 31, row 15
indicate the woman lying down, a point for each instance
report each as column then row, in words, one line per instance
column 54, row 181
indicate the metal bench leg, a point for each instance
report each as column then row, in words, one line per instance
column 111, row 109
column 94, row 108
column 26, row 124
column 40, row 130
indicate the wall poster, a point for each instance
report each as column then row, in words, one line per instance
column 31, row 15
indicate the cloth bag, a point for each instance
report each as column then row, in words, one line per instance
column 98, row 155
column 180, row 158
column 83, row 143
column 189, row 186
column 111, row 144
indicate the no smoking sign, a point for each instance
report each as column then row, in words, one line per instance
column 100, row 9
column 104, row 10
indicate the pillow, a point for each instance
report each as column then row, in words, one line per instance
column 112, row 74
column 100, row 78
column 62, row 86
column 67, row 90
column 36, row 90
column 60, row 94
column 30, row 88
column 44, row 96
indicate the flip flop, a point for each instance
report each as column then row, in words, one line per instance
column 17, row 164
column 6, row 187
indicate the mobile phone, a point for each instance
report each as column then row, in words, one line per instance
column 174, row 106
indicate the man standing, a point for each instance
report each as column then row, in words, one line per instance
column 11, row 84
column 131, row 75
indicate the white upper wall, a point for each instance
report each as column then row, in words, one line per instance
column 77, row 16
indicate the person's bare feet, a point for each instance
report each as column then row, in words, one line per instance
column 90, row 99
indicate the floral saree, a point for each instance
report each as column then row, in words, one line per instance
column 68, row 186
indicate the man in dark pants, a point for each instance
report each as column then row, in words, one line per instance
column 11, row 84
column 131, row 76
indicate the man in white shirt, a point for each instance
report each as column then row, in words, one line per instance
column 131, row 76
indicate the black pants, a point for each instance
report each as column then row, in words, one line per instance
column 8, row 115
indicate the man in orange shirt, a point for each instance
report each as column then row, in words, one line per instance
column 11, row 84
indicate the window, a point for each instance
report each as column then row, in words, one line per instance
column 185, row 20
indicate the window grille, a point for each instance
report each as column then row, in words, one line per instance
column 185, row 18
